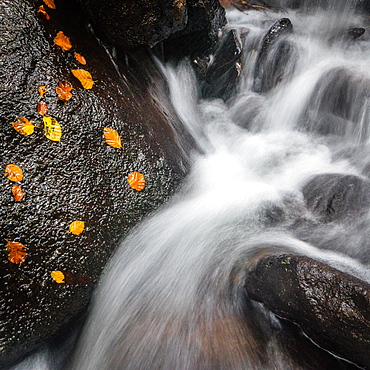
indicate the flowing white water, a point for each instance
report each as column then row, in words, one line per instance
column 171, row 297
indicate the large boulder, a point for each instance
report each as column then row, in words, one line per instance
column 80, row 177
column 331, row 307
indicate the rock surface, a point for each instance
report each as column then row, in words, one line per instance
column 79, row 177
column 331, row 307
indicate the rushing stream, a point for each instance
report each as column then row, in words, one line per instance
column 172, row 296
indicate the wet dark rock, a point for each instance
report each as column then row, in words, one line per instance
column 144, row 23
column 78, row 178
column 273, row 57
column 221, row 77
column 337, row 197
column 331, row 307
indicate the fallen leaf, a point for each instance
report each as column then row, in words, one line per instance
column 77, row 227
column 18, row 193
column 52, row 129
column 17, row 252
column 64, row 90
column 42, row 108
column 80, row 58
column 42, row 11
column 58, row 276
column 112, row 137
column 42, row 90
column 136, row 180
column 50, row 3
column 63, row 41
column 84, row 77
column 23, row 126
column 13, row 173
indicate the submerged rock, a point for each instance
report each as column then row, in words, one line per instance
column 331, row 307
column 80, row 177
column 273, row 57
column 337, row 197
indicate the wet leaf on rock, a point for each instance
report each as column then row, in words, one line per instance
column 17, row 252
column 52, row 129
column 50, row 3
column 63, row 41
column 136, row 180
column 64, row 90
column 80, row 58
column 58, row 276
column 77, row 227
column 42, row 90
column 42, row 11
column 18, row 193
column 84, row 77
column 23, row 126
column 112, row 137
column 42, row 108
column 13, row 173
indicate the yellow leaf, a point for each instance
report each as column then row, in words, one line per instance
column 77, row 227
column 63, row 41
column 50, row 3
column 80, row 58
column 42, row 90
column 112, row 137
column 58, row 276
column 23, row 126
column 136, row 180
column 18, row 193
column 13, row 173
column 17, row 252
column 52, row 128
column 42, row 11
column 84, row 77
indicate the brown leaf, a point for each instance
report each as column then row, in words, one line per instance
column 84, row 77
column 80, row 58
column 63, row 41
column 23, row 126
column 136, row 180
column 42, row 90
column 13, row 173
column 64, row 90
column 50, row 3
column 112, row 137
column 42, row 108
column 58, row 276
column 77, row 227
column 18, row 193
column 42, row 11
column 17, row 252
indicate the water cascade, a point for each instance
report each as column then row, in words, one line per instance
column 173, row 295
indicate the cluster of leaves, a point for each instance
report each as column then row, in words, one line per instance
column 52, row 130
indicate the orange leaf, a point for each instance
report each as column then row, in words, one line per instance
column 42, row 90
column 80, row 58
column 42, row 108
column 84, row 77
column 58, row 276
column 13, row 173
column 17, row 252
column 64, row 90
column 63, row 41
column 77, row 227
column 136, row 180
column 50, row 3
column 42, row 11
column 18, row 193
column 112, row 137
column 23, row 126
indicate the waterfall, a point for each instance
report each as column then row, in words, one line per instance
column 171, row 296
